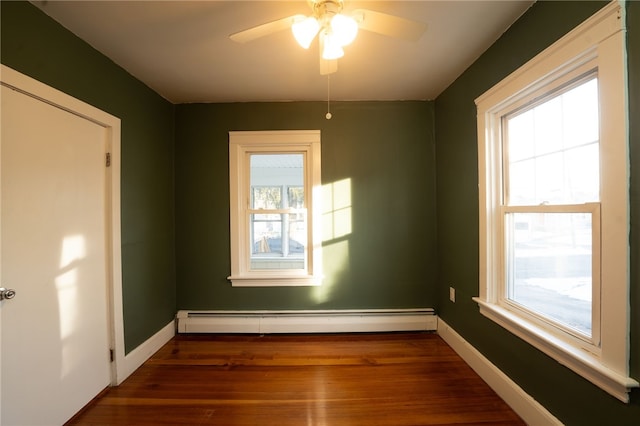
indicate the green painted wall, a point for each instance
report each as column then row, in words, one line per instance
column 384, row 150
column 388, row 153
column 572, row 399
column 37, row 46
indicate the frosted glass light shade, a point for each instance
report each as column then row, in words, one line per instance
column 332, row 48
column 344, row 29
column 304, row 30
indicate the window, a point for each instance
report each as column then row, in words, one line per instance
column 278, row 225
column 274, row 192
column 550, row 209
column 554, row 225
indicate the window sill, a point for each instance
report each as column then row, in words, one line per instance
column 275, row 281
column 579, row 361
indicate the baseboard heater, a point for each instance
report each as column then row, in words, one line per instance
column 313, row 321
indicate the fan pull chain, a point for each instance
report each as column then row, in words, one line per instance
column 328, row 116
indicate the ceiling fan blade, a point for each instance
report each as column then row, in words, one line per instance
column 389, row 25
column 264, row 29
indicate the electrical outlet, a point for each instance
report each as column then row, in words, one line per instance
column 452, row 294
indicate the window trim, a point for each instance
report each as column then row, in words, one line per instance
column 600, row 39
column 243, row 143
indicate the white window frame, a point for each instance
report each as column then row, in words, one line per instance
column 597, row 43
column 241, row 145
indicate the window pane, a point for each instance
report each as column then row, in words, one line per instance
column 264, row 228
column 278, row 240
column 520, row 136
column 549, row 179
column 522, row 187
column 267, row 234
column 583, row 173
column 580, row 114
column 552, row 150
column 297, row 232
column 549, row 266
column 296, row 197
column 547, row 131
column 266, row 197
column 277, row 170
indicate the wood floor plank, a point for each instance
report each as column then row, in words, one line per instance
column 325, row 379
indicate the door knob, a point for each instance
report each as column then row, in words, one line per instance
column 7, row 293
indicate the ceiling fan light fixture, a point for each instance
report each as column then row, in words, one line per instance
column 332, row 49
column 304, row 30
column 344, row 29
column 334, row 29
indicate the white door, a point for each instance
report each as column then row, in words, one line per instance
column 55, row 332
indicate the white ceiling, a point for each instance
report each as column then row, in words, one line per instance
column 181, row 49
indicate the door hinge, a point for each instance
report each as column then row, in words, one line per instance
column 111, row 355
column 108, row 159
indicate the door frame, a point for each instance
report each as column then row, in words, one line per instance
column 31, row 87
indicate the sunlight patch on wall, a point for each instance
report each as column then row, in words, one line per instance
column 336, row 227
column 336, row 259
column 336, row 215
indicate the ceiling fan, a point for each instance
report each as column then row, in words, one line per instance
column 334, row 29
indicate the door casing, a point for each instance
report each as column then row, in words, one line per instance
column 31, row 87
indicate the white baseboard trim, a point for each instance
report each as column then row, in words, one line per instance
column 331, row 321
column 531, row 411
column 134, row 359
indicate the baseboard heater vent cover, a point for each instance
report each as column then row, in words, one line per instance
column 326, row 321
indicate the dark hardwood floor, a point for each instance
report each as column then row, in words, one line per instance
column 326, row 379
